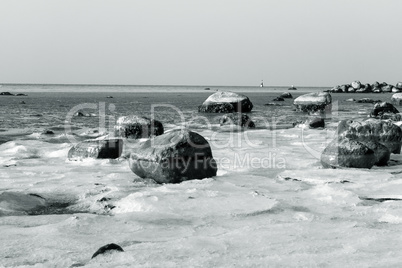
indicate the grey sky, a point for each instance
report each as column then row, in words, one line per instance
column 208, row 42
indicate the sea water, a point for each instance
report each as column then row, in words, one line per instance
column 271, row 204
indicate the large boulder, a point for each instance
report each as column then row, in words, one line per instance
column 397, row 99
column 137, row 127
column 313, row 102
column 387, row 88
column 346, row 152
column 239, row 119
column 381, row 108
column 98, row 149
column 399, row 85
column 384, row 132
column 226, row 102
column 174, row 157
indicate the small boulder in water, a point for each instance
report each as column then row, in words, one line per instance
column 316, row 122
column 174, row 157
column 107, row 248
column 286, row 95
column 137, row 127
column 21, row 95
column 383, row 107
column 345, row 152
column 98, row 149
column 226, row 102
column 278, row 99
column 366, row 100
column 6, row 94
column 239, row 119
column 47, row 132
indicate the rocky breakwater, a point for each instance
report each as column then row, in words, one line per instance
column 98, row 149
column 376, row 87
column 174, row 157
column 226, row 102
column 317, row 102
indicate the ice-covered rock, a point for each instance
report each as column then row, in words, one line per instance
column 226, row 102
column 98, row 149
column 136, row 127
column 313, row 102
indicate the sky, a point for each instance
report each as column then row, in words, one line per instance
column 194, row 42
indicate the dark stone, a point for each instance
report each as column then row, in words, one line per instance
column 22, row 102
column 316, row 123
column 21, row 95
column 292, row 88
column 226, row 102
column 107, row 248
column 366, row 100
column 239, row 119
column 136, row 127
column 98, row 149
column 48, row 132
column 384, row 132
column 79, row 114
column 174, row 157
column 6, row 94
column 273, row 104
column 347, row 153
column 286, row 95
column 383, row 107
column 381, row 152
column 313, row 102
column 278, row 99
column 109, row 97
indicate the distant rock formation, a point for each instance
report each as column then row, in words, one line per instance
column 376, row 87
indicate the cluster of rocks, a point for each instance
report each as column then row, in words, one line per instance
column 362, row 144
column 358, row 87
column 166, row 157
